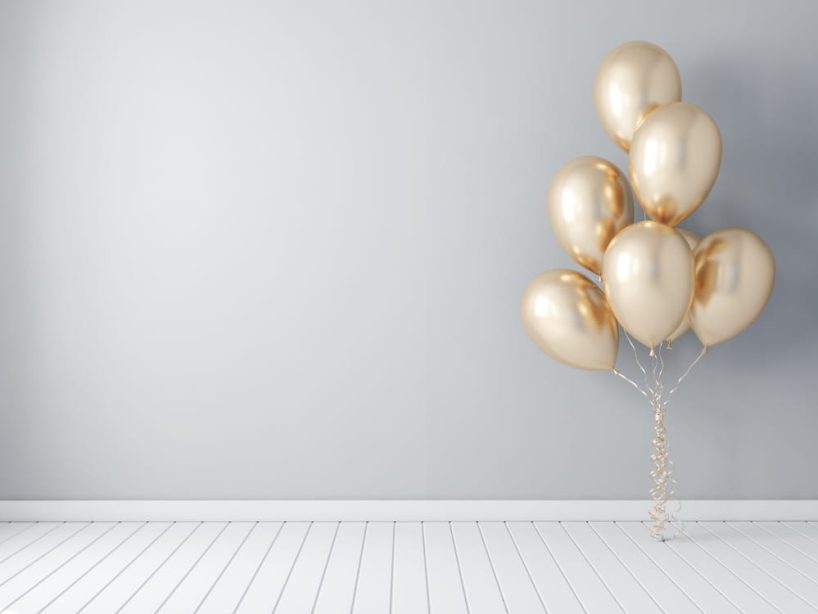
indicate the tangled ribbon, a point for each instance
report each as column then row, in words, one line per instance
column 663, row 490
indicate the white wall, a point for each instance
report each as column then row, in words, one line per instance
column 276, row 249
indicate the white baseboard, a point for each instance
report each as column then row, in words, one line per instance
column 400, row 510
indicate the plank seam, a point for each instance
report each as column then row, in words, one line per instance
column 734, row 574
column 759, row 567
column 810, row 538
column 44, row 554
column 290, row 573
column 459, row 570
column 557, row 563
column 258, row 568
column 425, row 568
column 358, row 572
column 224, row 569
column 591, row 565
column 626, row 568
column 525, row 566
column 192, row 567
column 662, row 569
column 324, row 571
column 491, row 564
column 32, row 542
column 780, row 558
column 90, row 569
column 152, row 574
column 61, row 565
column 786, row 541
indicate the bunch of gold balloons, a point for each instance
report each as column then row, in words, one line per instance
column 659, row 280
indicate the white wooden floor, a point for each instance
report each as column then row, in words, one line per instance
column 406, row 567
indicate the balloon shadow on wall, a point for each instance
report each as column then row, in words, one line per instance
column 767, row 184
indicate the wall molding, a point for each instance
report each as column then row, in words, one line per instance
column 399, row 510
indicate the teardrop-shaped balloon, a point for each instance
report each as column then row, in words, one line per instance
column 567, row 316
column 735, row 274
column 648, row 275
column 674, row 161
column 589, row 202
column 692, row 240
column 632, row 81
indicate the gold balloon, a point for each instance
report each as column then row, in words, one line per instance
column 589, row 201
column 735, row 273
column 692, row 241
column 648, row 275
column 633, row 80
column 567, row 316
column 674, row 161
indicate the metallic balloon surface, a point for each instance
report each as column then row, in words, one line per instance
column 567, row 316
column 692, row 241
column 648, row 275
column 735, row 273
column 674, row 161
column 632, row 81
column 589, row 201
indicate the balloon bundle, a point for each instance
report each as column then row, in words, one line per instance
column 659, row 280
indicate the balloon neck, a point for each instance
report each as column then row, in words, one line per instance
column 652, row 352
column 669, row 344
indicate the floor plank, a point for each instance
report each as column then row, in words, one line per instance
column 804, row 589
column 301, row 590
column 548, row 578
column 717, row 540
column 81, row 592
column 518, row 589
column 42, row 568
column 146, row 581
column 800, row 542
column 195, row 585
column 807, row 529
column 697, row 587
column 406, row 568
column 227, row 592
column 729, row 583
column 789, row 552
column 664, row 590
column 593, row 593
column 483, row 594
column 446, row 592
column 627, row 589
column 17, row 541
column 40, row 548
column 335, row 596
column 271, row 575
column 409, row 588
column 48, row 588
column 373, row 593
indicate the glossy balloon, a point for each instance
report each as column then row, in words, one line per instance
column 692, row 241
column 567, row 316
column 632, row 81
column 674, row 161
column 589, row 201
column 648, row 275
column 735, row 273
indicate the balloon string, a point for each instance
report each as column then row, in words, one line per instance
column 664, row 486
column 629, row 380
column 687, row 371
column 663, row 492
column 638, row 362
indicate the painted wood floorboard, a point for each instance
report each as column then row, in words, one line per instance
column 406, row 568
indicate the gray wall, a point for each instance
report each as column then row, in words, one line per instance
column 276, row 250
